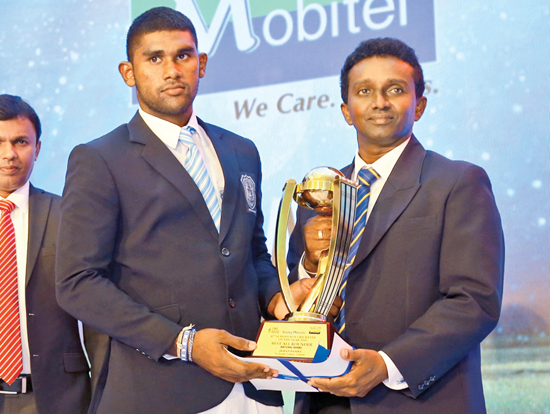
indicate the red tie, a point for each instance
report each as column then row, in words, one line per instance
column 11, row 357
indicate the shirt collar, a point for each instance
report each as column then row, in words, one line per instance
column 167, row 132
column 383, row 165
column 20, row 197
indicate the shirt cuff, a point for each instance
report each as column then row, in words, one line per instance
column 178, row 340
column 395, row 380
column 302, row 272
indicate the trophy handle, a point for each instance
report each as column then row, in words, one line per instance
column 324, row 265
column 308, row 303
column 343, row 217
column 280, row 245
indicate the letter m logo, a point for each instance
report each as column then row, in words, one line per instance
column 209, row 36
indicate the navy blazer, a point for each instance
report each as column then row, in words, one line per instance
column 59, row 370
column 139, row 257
column 426, row 284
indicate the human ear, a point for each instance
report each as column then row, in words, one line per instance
column 126, row 69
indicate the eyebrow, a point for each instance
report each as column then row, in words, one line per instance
column 401, row 81
column 23, row 136
column 386, row 82
column 153, row 52
column 161, row 52
column 189, row 49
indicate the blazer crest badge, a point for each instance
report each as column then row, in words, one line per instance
column 249, row 187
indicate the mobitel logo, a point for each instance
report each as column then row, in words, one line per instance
column 263, row 42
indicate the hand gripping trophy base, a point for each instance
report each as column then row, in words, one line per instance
column 324, row 190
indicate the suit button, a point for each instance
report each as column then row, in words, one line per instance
column 225, row 251
column 421, row 387
column 432, row 379
column 231, row 303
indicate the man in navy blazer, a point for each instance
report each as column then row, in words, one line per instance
column 140, row 257
column 55, row 376
column 426, row 285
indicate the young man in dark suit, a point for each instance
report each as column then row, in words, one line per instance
column 43, row 369
column 161, row 242
column 425, row 287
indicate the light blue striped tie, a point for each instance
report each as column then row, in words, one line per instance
column 198, row 172
column 366, row 177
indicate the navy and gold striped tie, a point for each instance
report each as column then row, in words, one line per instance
column 365, row 177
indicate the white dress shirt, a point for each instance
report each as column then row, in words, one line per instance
column 383, row 166
column 169, row 134
column 236, row 402
column 20, row 219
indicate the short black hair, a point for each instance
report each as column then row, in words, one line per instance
column 12, row 107
column 157, row 19
column 383, row 47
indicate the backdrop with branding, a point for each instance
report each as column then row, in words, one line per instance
column 272, row 76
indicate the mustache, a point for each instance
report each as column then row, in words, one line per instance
column 380, row 115
column 172, row 85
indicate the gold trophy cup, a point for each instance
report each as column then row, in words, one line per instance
column 326, row 191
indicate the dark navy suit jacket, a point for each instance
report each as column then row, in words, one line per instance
column 139, row 257
column 426, row 284
column 60, row 373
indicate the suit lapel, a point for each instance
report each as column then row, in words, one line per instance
column 156, row 154
column 39, row 210
column 230, row 166
column 400, row 188
column 348, row 171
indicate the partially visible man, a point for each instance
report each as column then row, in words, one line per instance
column 43, row 368
column 425, row 286
column 161, row 243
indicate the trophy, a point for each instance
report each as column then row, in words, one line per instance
column 297, row 338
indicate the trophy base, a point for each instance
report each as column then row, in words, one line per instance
column 299, row 316
column 293, row 340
